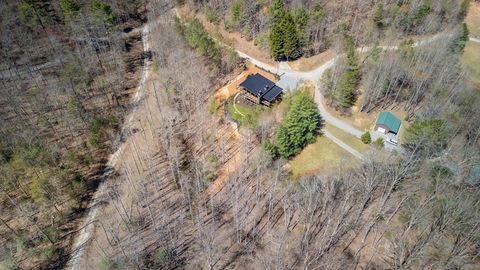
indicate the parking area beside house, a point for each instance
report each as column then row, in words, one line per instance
column 387, row 127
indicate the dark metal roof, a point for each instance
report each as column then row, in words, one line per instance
column 262, row 87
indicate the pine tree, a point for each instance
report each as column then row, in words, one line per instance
column 351, row 53
column 429, row 135
column 285, row 145
column 276, row 10
column 366, row 138
column 290, row 37
column 276, row 42
column 284, row 41
column 378, row 15
column 459, row 42
column 69, row 8
column 236, row 10
column 344, row 95
column 276, row 38
column 300, row 127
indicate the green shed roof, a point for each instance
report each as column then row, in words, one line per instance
column 389, row 120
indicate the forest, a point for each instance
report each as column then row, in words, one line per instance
column 67, row 71
column 111, row 130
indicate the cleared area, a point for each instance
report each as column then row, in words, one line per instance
column 471, row 61
column 347, row 138
column 323, row 156
column 473, row 19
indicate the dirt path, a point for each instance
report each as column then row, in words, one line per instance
column 477, row 40
column 84, row 234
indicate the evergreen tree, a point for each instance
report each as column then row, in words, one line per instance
column 283, row 38
column 378, row 18
column 366, row 138
column 344, row 95
column 276, row 10
column 35, row 13
column 270, row 149
column 423, row 11
column 300, row 127
column 276, row 41
column 407, row 49
column 285, row 145
column 284, row 41
column 290, row 37
column 69, row 8
column 102, row 11
column 428, row 135
column 236, row 10
column 302, row 18
column 379, row 142
column 461, row 39
column 351, row 53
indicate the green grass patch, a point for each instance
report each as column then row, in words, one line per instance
column 349, row 139
column 213, row 107
column 471, row 61
column 322, row 156
column 245, row 115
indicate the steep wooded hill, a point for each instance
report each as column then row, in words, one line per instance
column 67, row 69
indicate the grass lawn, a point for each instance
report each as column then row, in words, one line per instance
column 247, row 116
column 471, row 60
column 349, row 139
column 321, row 156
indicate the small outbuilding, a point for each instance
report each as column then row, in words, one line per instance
column 260, row 90
column 387, row 123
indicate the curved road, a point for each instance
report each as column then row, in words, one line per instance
column 289, row 77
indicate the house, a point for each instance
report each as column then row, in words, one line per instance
column 260, row 90
column 387, row 123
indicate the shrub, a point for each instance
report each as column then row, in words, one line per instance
column 97, row 126
column 270, row 149
column 236, row 10
column 429, row 135
column 50, row 253
column 106, row 264
column 212, row 16
column 228, row 25
column 213, row 107
column 379, row 142
column 69, row 8
column 378, row 18
column 160, row 257
column 212, row 158
column 366, row 138
column 103, row 12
